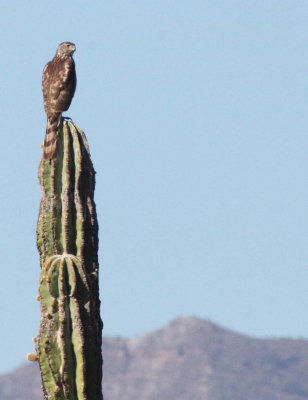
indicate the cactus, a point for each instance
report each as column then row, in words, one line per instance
column 69, row 341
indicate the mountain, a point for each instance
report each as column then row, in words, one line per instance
column 190, row 359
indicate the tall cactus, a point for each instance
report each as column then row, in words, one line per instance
column 69, row 341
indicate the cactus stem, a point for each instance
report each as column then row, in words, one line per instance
column 69, row 341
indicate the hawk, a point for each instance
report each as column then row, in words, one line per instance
column 59, row 85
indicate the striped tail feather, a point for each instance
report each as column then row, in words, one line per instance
column 50, row 142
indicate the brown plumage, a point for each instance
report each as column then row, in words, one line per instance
column 59, row 85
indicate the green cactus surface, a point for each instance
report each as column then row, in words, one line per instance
column 69, row 341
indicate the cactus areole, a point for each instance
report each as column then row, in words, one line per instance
column 69, row 341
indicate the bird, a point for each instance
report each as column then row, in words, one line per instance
column 58, row 84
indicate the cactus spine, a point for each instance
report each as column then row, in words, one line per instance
column 69, row 341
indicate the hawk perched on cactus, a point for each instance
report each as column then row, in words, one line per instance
column 59, row 84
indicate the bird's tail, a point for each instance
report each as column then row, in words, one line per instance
column 50, row 142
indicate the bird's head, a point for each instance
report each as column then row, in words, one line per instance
column 66, row 49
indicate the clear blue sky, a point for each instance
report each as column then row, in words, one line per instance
column 196, row 114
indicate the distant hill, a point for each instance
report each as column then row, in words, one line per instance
column 190, row 359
